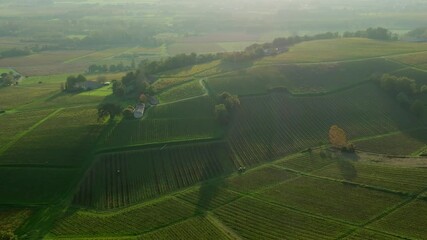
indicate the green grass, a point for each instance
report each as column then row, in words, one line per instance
column 4, row 70
column 408, row 220
column 187, row 90
column 401, row 143
column 252, row 219
column 342, row 49
column 257, row 179
column 77, row 128
column 311, row 78
column 402, row 179
column 132, row 221
column 194, row 228
column 123, row 178
column 11, row 219
column 15, row 123
column 271, row 126
column 332, row 199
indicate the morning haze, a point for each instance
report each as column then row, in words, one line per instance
column 237, row 119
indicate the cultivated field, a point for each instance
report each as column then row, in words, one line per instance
column 123, row 178
column 187, row 90
column 342, row 49
column 11, row 219
column 271, row 126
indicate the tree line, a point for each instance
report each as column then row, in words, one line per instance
column 405, row 90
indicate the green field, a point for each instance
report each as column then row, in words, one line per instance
column 302, row 78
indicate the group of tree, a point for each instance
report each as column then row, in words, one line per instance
column 133, row 84
column 15, row 52
column 72, row 83
column 177, row 61
column 378, row 33
column 120, row 67
column 226, row 106
column 110, row 110
column 406, row 91
column 7, row 79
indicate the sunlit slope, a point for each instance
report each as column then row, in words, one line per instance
column 342, row 49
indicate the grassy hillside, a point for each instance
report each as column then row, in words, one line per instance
column 301, row 78
column 342, row 49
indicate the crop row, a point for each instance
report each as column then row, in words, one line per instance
column 332, row 199
column 271, row 126
column 253, row 219
column 119, row 179
column 133, row 221
column 209, row 196
column 395, row 178
column 194, row 228
column 162, row 130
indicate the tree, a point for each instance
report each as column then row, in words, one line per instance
column 338, row 139
column 423, row 89
column 128, row 112
column 72, row 81
column 337, row 136
column 118, row 89
column 231, row 102
column 108, row 109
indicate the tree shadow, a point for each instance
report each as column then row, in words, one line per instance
column 207, row 193
column 347, row 169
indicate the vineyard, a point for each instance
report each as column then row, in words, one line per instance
column 332, row 199
column 209, row 196
column 407, row 221
column 271, row 126
column 309, row 162
column 418, row 75
column 194, row 228
column 132, row 132
column 11, row 219
column 124, row 178
column 200, row 107
column 252, row 219
column 411, row 180
column 401, row 143
column 186, row 90
column 304, row 78
column 131, row 221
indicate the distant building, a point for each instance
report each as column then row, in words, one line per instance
column 139, row 110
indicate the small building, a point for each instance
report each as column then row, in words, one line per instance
column 139, row 110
